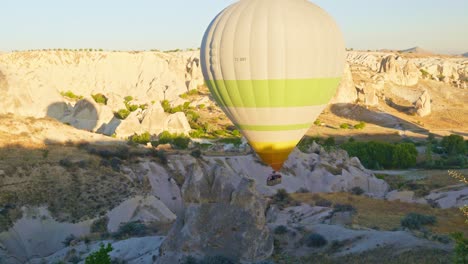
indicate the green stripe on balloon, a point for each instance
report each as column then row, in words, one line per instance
column 275, row 127
column 273, row 93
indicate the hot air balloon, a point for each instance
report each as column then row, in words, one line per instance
column 273, row 66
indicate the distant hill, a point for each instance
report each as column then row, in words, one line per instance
column 416, row 50
column 465, row 54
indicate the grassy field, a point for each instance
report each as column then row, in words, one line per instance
column 386, row 215
column 381, row 256
column 74, row 184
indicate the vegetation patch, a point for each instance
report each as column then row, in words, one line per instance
column 373, row 213
column 69, row 94
column 381, row 155
column 100, row 98
column 416, row 221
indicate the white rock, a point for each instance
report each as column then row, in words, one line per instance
column 139, row 208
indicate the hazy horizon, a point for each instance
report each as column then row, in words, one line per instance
column 143, row 25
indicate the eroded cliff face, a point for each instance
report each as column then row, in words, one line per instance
column 220, row 218
column 36, row 78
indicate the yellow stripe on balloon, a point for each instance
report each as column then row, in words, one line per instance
column 274, row 153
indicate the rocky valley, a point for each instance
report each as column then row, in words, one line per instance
column 129, row 148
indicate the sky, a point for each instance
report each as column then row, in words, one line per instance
column 439, row 26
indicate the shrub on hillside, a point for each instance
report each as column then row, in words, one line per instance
column 130, row 229
column 100, row 225
column 454, row 145
column 196, row 153
column 71, row 95
column 461, row 248
column 99, row 98
column 68, row 240
column 166, row 106
column 316, row 240
column 101, row 256
column 282, row 198
column 416, row 221
column 329, row 142
column 344, row 126
column 141, row 139
column 281, row 230
column 404, row 155
column 357, row 190
column 122, row 114
column 323, row 203
column 343, row 208
column 378, row 155
column 361, row 125
column 181, row 141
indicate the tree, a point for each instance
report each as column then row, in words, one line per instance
column 461, row 248
column 454, row 145
column 404, row 155
column 101, row 256
column 428, row 153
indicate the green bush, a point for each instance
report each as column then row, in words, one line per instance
column 235, row 141
column 128, row 99
column 132, row 107
column 373, row 155
column 316, row 240
column 192, row 116
column 454, row 145
column 196, row 153
column 378, row 155
column 357, row 190
column 161, row 155
column 404, row 155
column 197, row 133
column 281, row 230
column 329, row 142
column 344, row 126
column 122, row 114
column 424, row 73
column 236, row 133
column 100, row 98
column 306, row 142
column 282, row 198
column 323, row 203
column 343, row 208
column 71, row 95
column 166, row 106
column 361, row 125
column 416, row 221
column 165, row 137
column 141, row 139
column 100, row 225
column 68, row 240
column 461, row 248
column 130, row 229
column 143, row 106
column 101, row 256
column 317, row 122
column 216, row 260
column 181, row 142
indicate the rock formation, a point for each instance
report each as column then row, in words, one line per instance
column 346, row 92
column 220, row 218
column 367, row 94
column 393, row 71
column 423, row 105
column 38, row 77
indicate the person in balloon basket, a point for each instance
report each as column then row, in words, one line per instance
column 274, row 179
